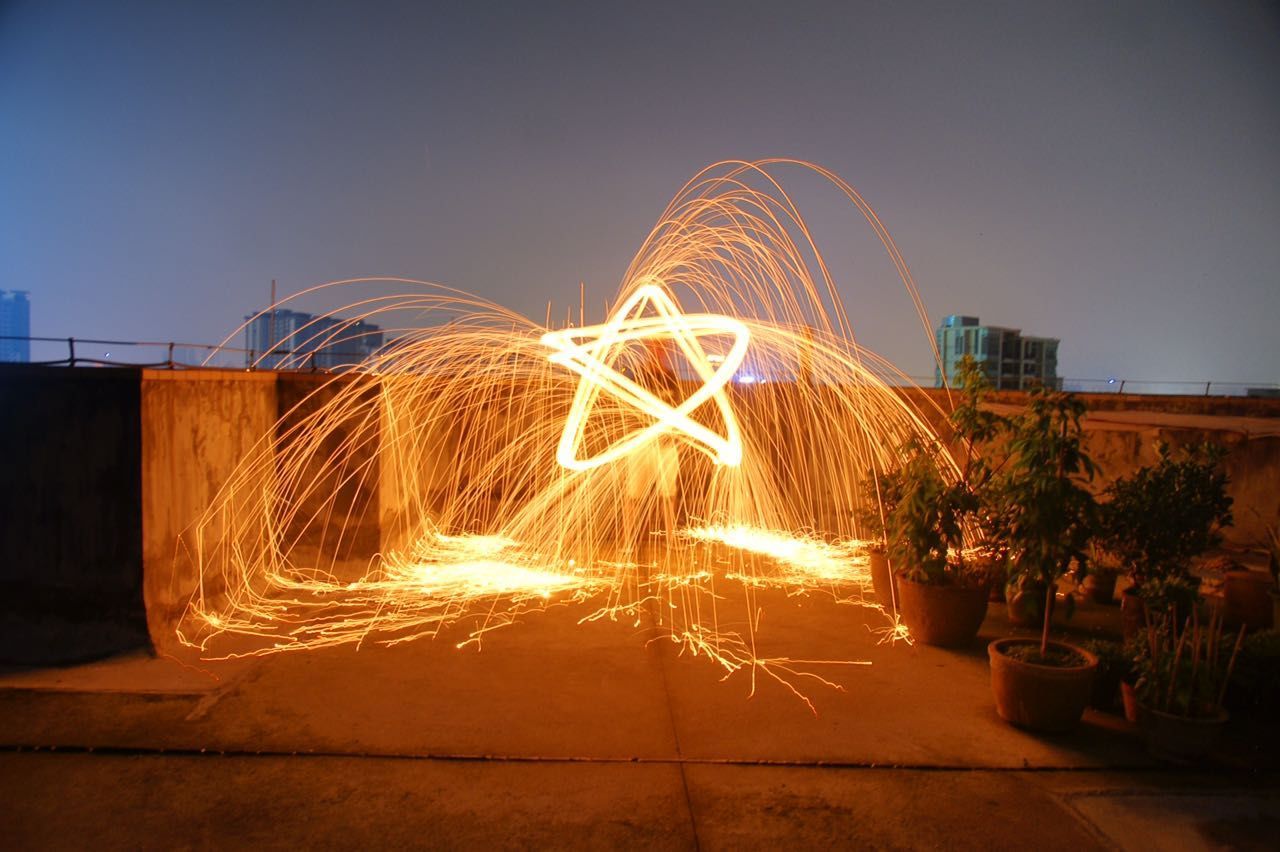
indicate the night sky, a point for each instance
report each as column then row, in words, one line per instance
column 1107, row 173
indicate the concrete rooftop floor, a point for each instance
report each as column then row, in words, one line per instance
column 566, row 735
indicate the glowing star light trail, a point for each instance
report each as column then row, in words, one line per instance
column 481, row 467
column 592, row 352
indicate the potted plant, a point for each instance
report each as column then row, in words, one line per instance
column 942, row 596
column 1026, row 597
column 1045, row 685
column 881, row 493
column 980, row 435
column 1182, row 680
column 1099, row 585
column 1157, row 520
column 882, row 580
column 942, row 585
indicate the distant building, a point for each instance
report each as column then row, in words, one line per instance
column 1011, row 360
column 297, row 340
column 15, row 321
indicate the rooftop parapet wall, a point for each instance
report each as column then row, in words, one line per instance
column 1124, row 431
column 1209, row 406
column 196, row 427
column 70, row 512
column 107, row 467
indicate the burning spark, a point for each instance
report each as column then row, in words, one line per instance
column 596, row 360
column 482, row 466
column 806, row 559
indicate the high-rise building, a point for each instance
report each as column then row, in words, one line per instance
column 297, row 340
column 1011, row 360
column 15, row 322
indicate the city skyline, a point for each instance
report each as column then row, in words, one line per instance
column 1106, row 176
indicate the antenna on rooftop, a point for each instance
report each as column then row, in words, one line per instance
column 271, row 322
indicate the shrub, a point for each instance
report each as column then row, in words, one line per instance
column 1050, row 513
column 1159, row 518
column 936, row 514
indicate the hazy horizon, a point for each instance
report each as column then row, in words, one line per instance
column 1107, row 174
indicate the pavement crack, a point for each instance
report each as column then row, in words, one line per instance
column 675, row 733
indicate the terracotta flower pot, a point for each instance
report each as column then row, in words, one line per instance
column 881, row 577
column 947, row 616
column 1043, row 698
column 1245, row 599
column 1100, row 586
column 1129, row 697
column 1025, row 604
column 1180, row 739
column 1133, row 614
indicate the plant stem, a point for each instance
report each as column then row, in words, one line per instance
column 1048, row 614
column 1173, row 672
column 1231, row 665
column 1195, row 649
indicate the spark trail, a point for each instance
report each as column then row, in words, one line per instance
column 481, row 466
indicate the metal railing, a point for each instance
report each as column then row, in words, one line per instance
column 77, row 351
column 1166, row 387
column 171, row 355
column 1152, row 387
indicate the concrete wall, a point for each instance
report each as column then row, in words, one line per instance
column 339, row 511
column 196, row 427
column 1124, row 430
column 70, row 513
column 105, row 469
column 1211, row 406
column 1252, row 464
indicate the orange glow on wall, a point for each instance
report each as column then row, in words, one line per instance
column 480, row 467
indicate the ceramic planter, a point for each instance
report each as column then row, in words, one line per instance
column 1133, row 614
column 1049, row 699
column 1100, row 586
column 1129, row 698
column 947, row 616
column 1180, row 739
column 881, row 577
